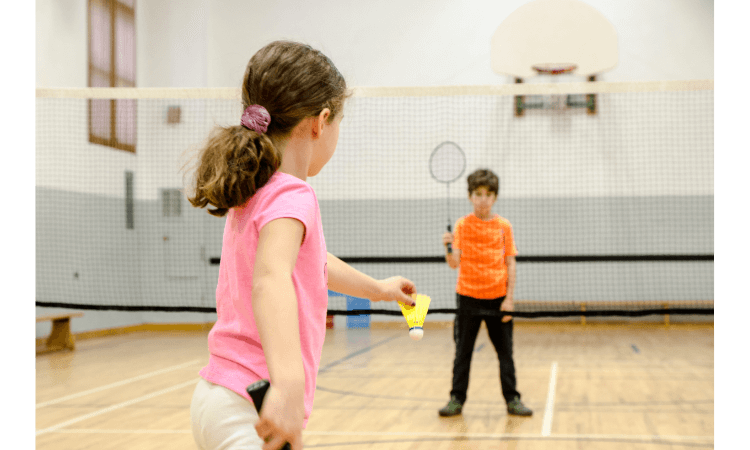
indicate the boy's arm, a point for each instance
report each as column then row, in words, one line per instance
column 507, row 304
column 510, row 261
column 454, row 258
column 347, row 280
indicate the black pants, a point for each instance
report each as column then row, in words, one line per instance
column 465, row 330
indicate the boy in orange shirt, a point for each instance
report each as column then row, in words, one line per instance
column 485, row 254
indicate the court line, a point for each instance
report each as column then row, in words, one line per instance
column 104, row 431
column 550, row 407
column 447, row 435
column 491, row 435
column 117, row 406
column 521, row 436
column 116, row 384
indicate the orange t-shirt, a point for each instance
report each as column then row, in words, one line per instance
column 484, row 244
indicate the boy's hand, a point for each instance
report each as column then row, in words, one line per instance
column 397, row 289
column 447, row 238
column 507, row 305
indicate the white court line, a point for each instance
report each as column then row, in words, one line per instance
column 119, row 383
column 117, row 406
column 547, row 423
column 509, row 436
column 92, row 431
column 506, row 436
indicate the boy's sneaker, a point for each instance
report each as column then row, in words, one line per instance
column 517, row 408
column 453, row 408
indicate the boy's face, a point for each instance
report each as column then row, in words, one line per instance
column 482, row 199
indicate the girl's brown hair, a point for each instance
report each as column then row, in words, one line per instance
column 292, row 81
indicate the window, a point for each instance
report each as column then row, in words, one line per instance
column 112, row 64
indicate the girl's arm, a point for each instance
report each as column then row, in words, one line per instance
column 275, row 311
column 347, row 280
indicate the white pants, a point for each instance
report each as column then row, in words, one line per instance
column 222, row 419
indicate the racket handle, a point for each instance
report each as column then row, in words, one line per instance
column 448, row 246
column 257, row 392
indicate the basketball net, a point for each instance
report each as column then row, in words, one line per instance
column 551, row 72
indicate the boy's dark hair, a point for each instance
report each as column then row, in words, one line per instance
column 291, row 81
column 486, row 178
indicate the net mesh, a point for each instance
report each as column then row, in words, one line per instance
column 612, row 212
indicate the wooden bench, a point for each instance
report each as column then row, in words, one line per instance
column 60, row 338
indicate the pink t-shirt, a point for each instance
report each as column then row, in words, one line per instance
column 236, row 356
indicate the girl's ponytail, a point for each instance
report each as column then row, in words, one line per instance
column 234, row 164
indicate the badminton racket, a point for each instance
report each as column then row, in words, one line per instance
column 447, row 164
column 257, row 392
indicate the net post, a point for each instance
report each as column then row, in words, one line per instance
column 519, row 101
column 591, row 99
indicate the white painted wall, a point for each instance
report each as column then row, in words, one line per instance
column 386, row 43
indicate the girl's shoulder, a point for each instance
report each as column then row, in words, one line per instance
column 282, row 183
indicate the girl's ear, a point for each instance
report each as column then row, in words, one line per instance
column 320, row 121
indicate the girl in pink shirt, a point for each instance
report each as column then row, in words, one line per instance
column 275, row 272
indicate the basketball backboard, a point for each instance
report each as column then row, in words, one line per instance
column 554, row 32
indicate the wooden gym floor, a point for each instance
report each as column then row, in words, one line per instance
column 595, row 386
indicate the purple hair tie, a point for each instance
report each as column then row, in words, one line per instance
column 256, row 118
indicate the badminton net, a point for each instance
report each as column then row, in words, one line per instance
column 612, row 212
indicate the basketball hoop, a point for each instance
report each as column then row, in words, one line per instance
column 554, row 68
column 554, row 102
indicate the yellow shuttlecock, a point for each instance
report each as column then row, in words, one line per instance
column 415, row 315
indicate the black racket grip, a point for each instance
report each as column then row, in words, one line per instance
column 257, row 392
column 448, row 246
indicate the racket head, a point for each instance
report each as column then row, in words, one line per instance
column 447, row 162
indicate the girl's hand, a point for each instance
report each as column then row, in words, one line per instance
column 447, row 238
column 281, row 418
column 397, row 289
